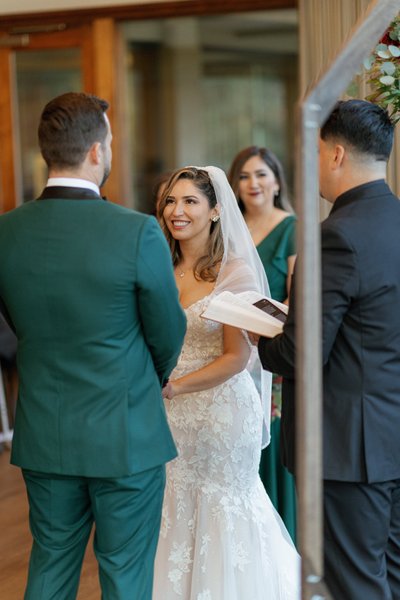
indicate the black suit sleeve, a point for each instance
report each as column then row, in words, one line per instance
column 340, row 283
column 278, row 354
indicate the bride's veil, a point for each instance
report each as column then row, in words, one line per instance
column 241, row 270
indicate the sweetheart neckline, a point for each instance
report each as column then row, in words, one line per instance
column 196, row 301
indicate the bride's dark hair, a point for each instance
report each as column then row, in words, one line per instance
column 206, row 267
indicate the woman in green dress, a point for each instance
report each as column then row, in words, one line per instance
column 257, row 178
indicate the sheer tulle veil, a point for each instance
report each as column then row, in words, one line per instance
column 241, row 270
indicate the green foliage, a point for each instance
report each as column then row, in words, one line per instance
column 383, row 71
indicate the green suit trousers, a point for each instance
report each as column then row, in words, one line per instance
column 126, row 513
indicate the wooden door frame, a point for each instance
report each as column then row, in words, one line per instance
column 154, row 10
column 100, row 58
column 8, row 175
column 95, row 31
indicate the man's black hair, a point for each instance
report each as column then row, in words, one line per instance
column 364, row 126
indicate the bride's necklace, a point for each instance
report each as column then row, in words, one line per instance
column 187, row 268
column 182, row 272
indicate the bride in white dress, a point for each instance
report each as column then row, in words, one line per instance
column 220, row 538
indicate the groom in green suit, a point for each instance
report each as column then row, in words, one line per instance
column 88, row 287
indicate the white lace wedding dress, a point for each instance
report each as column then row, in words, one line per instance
column 221, row 538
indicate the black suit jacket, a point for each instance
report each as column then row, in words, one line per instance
column 361, row 340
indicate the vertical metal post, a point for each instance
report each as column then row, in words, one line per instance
column 313, row 111
column 309, row 366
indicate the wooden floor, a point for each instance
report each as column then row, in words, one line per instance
column 15, row 539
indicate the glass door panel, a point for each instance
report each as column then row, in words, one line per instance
column 40, row 76
column 202, row 88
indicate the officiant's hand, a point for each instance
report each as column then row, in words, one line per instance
column 254, row 338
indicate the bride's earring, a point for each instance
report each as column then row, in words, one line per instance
column 215, row 218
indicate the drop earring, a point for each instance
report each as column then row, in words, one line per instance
column 215, row 218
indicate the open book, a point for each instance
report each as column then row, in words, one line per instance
column 248, row 310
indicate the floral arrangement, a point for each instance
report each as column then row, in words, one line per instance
column 383, row 71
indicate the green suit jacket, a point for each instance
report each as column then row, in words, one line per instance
column 90, row 291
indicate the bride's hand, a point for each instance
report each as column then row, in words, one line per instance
column 254, row 338
column 169, row 391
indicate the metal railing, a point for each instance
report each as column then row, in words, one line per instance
column 312, row 113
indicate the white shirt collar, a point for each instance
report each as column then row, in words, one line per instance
column 72, row 182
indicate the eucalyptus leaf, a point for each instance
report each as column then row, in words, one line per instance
column 368, row 62
column 387, row 80
column 394, row 50
column 382, row 71
column 388, row 67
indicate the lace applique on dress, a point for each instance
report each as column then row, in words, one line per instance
column 221, row 538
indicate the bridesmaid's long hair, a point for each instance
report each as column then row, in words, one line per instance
column 207, row 266
column 281, row 200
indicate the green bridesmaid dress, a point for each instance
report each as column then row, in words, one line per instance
column 278, row 482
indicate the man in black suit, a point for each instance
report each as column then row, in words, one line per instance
column 361, row 357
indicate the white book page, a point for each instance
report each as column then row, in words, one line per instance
column 238, row 310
